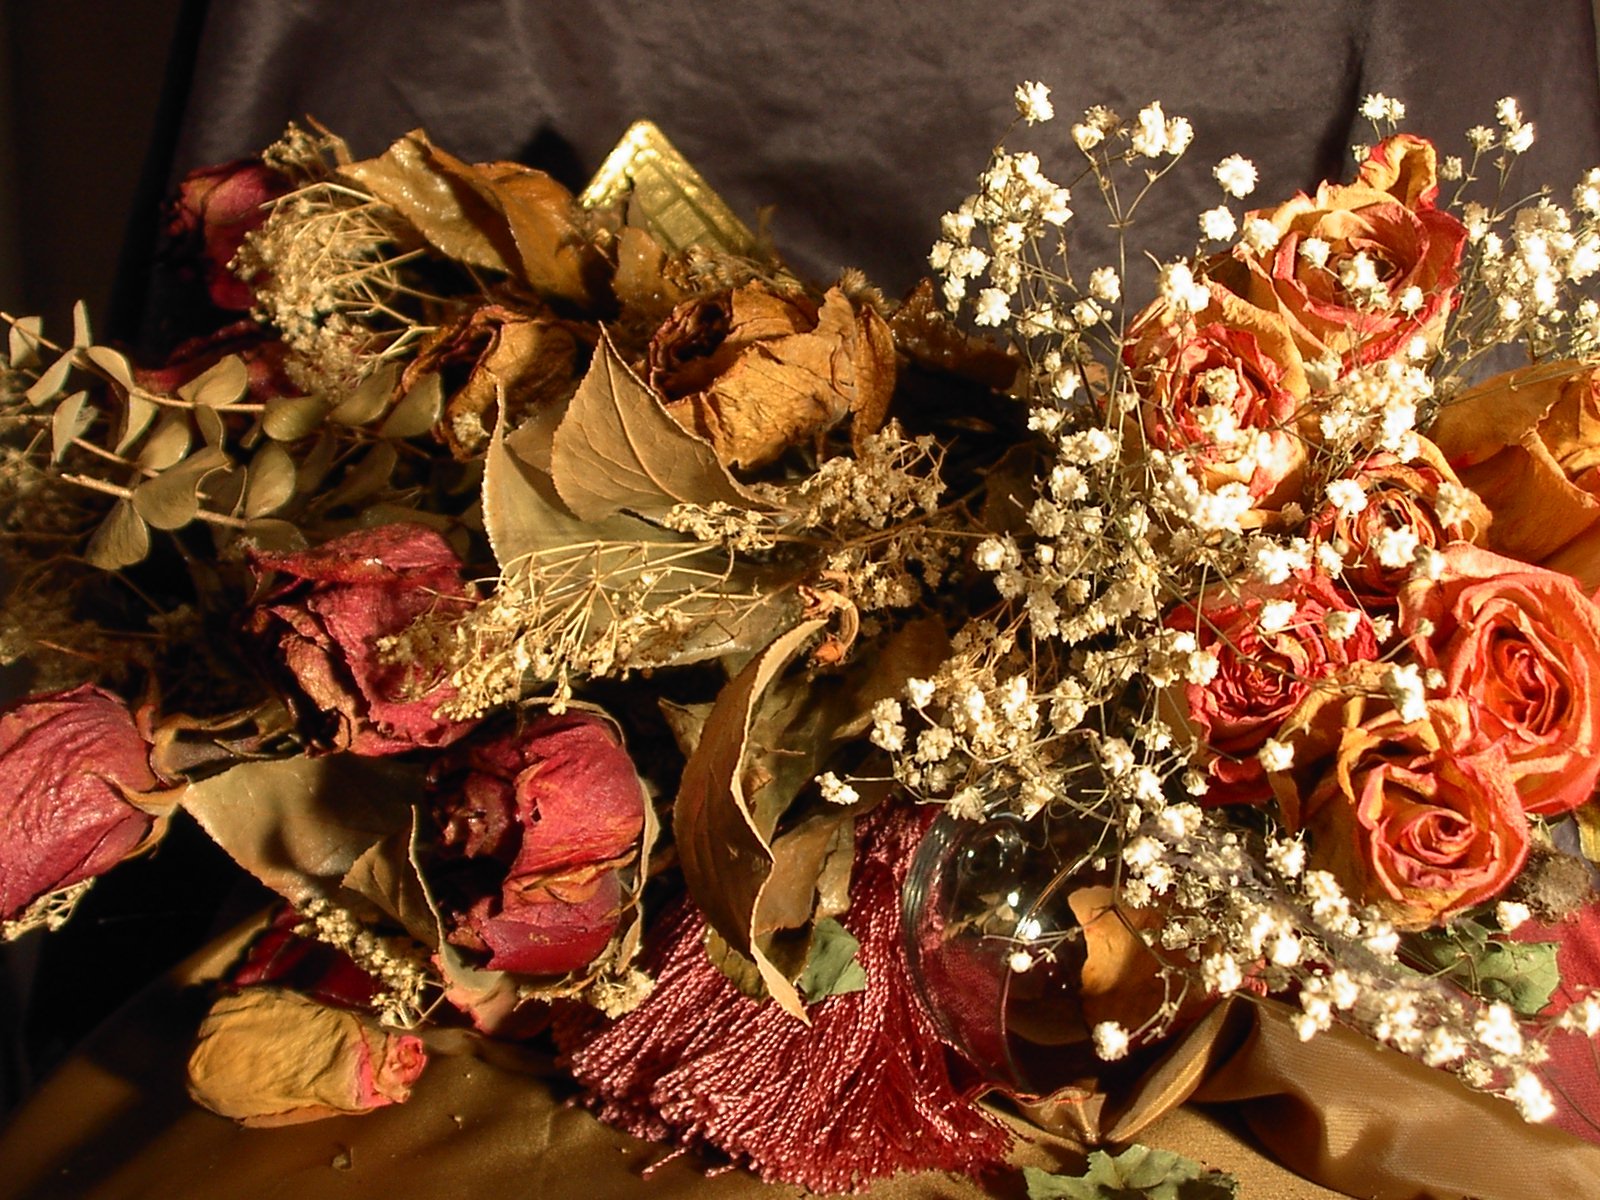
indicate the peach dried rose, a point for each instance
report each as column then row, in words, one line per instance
column 1357, row 309
column 1528, row 443
column 1409, row 821
column 1522, row 644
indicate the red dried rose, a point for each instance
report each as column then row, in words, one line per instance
column 1262, row 673
column 328, row 616
column 68, row 762
column 535, row 826
column 216, row 207
column 1409, row 821
column 1523, row 645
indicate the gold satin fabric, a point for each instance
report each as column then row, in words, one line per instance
column 115, row 1123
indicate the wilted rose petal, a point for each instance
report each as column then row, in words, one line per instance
column 216, row 207
column 328, row 616
column 67, row 761
column 268, row 1056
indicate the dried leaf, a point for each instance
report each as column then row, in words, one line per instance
column 618, row 450
column 51, row 382
column 122, row 539
column 271, row 482
column 386, row 877
column 1138, row 1173
column 300, row 824
column 24, row 342
column 924, row 332
column 209, row 422
column 140, row 412
column 726, row 857
column 1587, row 818
column 369, row 399
column 290, row 418
column 169, row 442
column 172, row 499
column 81, row 334
column 832, row 968
column 113, row 363
column 68, row 422
column 418, row 410
column 223, row 383
column 369, row 475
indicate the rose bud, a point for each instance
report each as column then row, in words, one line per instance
column 534, row 828
column 215, row 208
column 269, row 1056
column 1528, row 443
column 327, row 615
column 1359, row 269
column 68, row 763
column 1521, row 644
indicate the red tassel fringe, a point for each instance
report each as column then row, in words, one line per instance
column 865, row 1092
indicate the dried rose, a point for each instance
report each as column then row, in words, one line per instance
column 755, row 371
column 1401, row 503
column 1359, row 269
column 216, row 208
column 1226, row 389
column 535, row 826
column 260, row 351
column 328, row 612
column 1528, row 443
column 268, row 1056
column 1411, row 822
column 1522, row 644
column 1272, row 646
column 68, row 763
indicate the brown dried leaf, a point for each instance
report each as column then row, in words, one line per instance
column 369, row 475
column 24, row 341
column 640, row 283
column 929, row 338
column 71, row 418
column 618, row 450
column 386, row 877
column 784, row 386
column 122, row 539
column 51, row 382
column 300, row 824
column 727, row 858
column 417, row 411
column 369, row 399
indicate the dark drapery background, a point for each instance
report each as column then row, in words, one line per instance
column 860, row 123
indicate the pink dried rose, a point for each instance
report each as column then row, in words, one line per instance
column 535, row 827
column 69, row 761
column 215, row 209
column 329, row 609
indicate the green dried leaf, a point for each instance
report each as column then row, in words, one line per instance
column 1138, row 1173
column 1587, row 818
column 221, row 384
column 833, row 968
column 618, row 450
column 51, row 382
column 366, row 477
column 209, row 422
column 24, row 342
column 113, row 363
column 418, row 410
column 169, row 442
column 71, row 418
column 172, row 499
column 122, row 539
column 1521, row 974
column 271, row 482
column 290, row 418
column 300, row 824
column 369, row 399
column 141, row 410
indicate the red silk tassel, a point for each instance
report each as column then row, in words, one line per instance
column 863, row 1093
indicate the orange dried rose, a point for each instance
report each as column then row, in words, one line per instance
column 1410, row 822
column 1387, row 215
column 1528, row 443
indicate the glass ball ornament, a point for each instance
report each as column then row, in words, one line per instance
column 995, row 949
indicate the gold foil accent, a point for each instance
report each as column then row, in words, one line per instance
column 665, row 195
